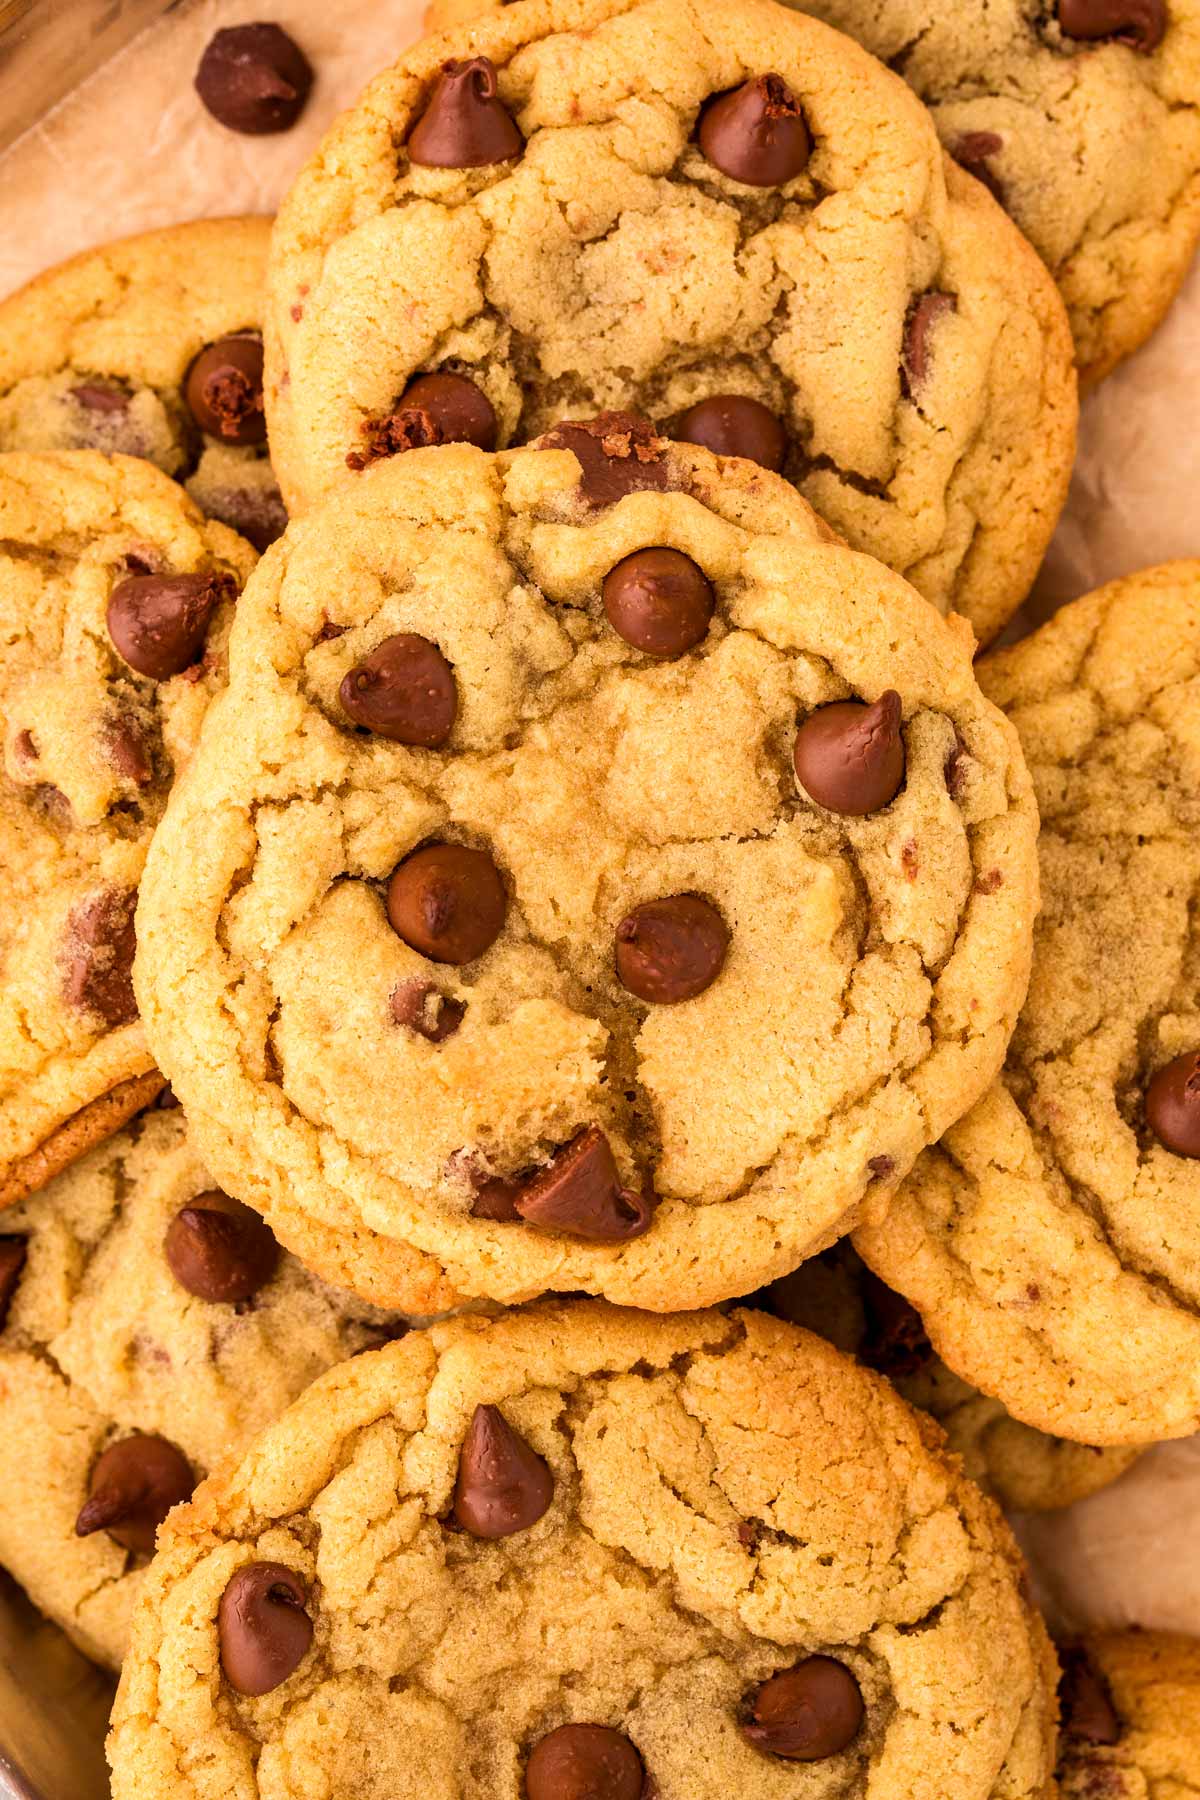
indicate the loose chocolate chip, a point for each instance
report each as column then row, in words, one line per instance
column 158, row 623
column 671, row 950
column 971, row 152
column 1173, row 1105
column 1086, row 1702
column 442, row 408
column 257, row 514
column 579, row 1192
column 735, row 425
column 13, row 1251
column 896, row 1342
column 919, row 327
column 1141, row 24
column 806, row 1713
column 403, row 690
column 224, row 389
column 262, row 1627
column 448, row 902
column 219, row 1249
column 254, row 79
column 418, row 1005
column 98, row 956
column 134, row 1484
column 618, row 453
column 659, row 601
column 849, row 757
column 756, row 134
column 503, row 1484
column 100, row 397
column 129, row 749
column 584, row 1762
column 465, row 125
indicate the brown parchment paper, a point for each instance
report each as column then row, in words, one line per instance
column 132, row 149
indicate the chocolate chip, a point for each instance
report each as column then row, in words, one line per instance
column 1173, row 1105
column 403, row 690
column 584, row 1762
column 756, row 134
column 224, row 389
column 579, row 1192
column 419, row 1005
column 1141, row 24
column 920, row 325
column 101, row 397
column 896, row 1342
column 441, row 408
column 254, row 79
column 1086, row 1700
column 448, row 902
column 98, row 956
column 262, row 1627
column 219, row 1249
column 465, row 125
column 159, row 623
column 257, row 514
column 503, row 1484
column 735, row 425
column 134, row 1484
column 496, row 1200
column 671, row 950
column 13, row 1251
column 618, row 453
column 129, row 749
column 971, row 152
column 806, row 1713
column 659, row 601
column 849, row 757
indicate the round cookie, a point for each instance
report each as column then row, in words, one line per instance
column 836, row 1295
column 149, row 1327
column 713, row 1541
column 1131, row 1717
column 1083, row 119
column 1051, row 1243
column 601, row 993
column 152, row 347
column 90, row 544
column 727, row 219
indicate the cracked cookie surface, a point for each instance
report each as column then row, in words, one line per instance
column 101, row 1344
column 530, row 1109
column 1131, row 1717
column 90, row 746
column 911, row 349
column 1051, row 1242
column 721, row 1499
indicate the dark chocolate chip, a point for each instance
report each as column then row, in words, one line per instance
column 101, row 397
column 972, row 152
column 465, row 125
column 423, row 1009
column 1173, row 1105
column 257, row 514
column 1086, row 1700
column 584, row 1762
column 807, row 1713
column 98, row 954
column 254, row 79
column 442, row 408
column 735, row 425
column 618, row 453
column 579, row 1192
column 224, row 389
column 1141, row 24
column 756, row 134
column 671, row 950
column 13, row 1251
column 129, row 749
column 404, row 689
column 159, row 623
column 849, row 757
column 919, row 327
column 659, row 601
column 896, row 1342
column 219, row 1249
column 133, row 1486
column 448, row 902
column 262, row 1627
column 503, row 1485
column 496, row 1200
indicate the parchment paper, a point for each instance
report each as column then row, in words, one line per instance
column 133, row 149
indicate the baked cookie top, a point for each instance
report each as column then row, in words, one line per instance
column 706, row 1555
column 149, row 1326
column 583, row 892
column 728, row 219
column 1052, row 1241
column 1131, row 1717
column 115, row 601
column 152, row 347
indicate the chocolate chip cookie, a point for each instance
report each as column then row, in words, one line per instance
column 1131, row 1717
column 578, row 1551
column 1052, row 1241
column 836, row 1295
column 595, row 878
column 115, row 601
column 152, row 347
column 149, row 1326
column 728, row 219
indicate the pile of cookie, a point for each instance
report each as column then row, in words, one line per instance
column 683, row 1061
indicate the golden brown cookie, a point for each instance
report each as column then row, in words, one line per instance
column 1131, row 1717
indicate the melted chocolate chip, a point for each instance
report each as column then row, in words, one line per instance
column 134, row 1484
column 1141, row 24
column 98, row 954
column 1087, row 1706
column 579, row 1192
column 972, row 152
column 257, row 514
column 262, row 1627
column 807, row 1713
column 659, row 601
column 584, row 1762
column 219, row 1249
column 756, row 134
column 671, row 950
column 159, row 623
column 896, row 1342
column 465, row 125
column 448, row 902
column 224, row 389
column 618, row 453
column 129, row 749
column 13, row 1251
column 503, row 1485
column 442, row 408
column 1173, row 1105
column 403, row 690
column 101, row 397
column 735, row 425
column 254, row 79
column 422, row 1008
column 849, row 757
column 919, row 328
